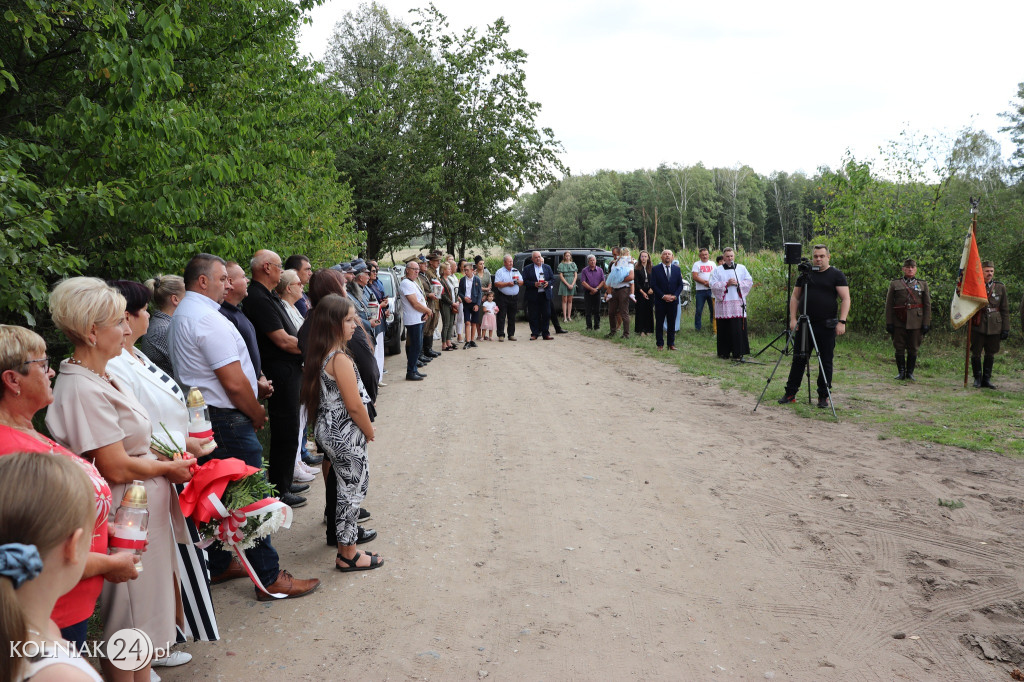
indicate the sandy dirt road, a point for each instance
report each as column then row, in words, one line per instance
column 574, row 510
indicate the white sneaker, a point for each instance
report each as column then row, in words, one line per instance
column 153, row 677
column 175, row 659
column 301, row 476
column 312, row 471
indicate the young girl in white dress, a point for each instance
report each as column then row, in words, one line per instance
column 490, row 320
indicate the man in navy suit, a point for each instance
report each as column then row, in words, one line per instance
column 667, row 282
column 538, row 279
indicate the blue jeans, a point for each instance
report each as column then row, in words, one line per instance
column 413, row 346
column 703, row 296
column 236, row 438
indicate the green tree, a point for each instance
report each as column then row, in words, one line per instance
column 583, row 211
column 137, row 134
column 481, row 131
column 377, row 64
column 742, row 200
column 1016, row 129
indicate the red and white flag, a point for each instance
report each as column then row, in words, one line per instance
column 970, row 295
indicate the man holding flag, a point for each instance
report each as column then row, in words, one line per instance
column 991, row 325
column 983, row 302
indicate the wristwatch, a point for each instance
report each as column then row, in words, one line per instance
column 843, row 321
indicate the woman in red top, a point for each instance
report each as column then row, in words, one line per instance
column 25, row 389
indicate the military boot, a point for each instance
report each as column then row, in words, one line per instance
column 911, row 364
column 976, row 370
column 986, row 376
column 901, row 366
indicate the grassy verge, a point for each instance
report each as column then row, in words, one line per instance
column 934, row 408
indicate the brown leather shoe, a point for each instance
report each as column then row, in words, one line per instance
column 234, row 571
column 287, row 584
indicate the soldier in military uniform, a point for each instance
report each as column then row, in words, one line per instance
column 427, row 274
column 989, row 326
column 908, row 317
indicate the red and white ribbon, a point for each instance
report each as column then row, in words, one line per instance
column 230, row 533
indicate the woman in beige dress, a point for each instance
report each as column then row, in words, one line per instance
column 92, row 415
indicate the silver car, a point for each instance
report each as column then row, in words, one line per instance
column 396, row 329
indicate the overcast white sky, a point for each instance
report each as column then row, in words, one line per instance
column 780, row 85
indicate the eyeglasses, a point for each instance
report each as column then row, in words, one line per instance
column 45, row 360
column 277, row 265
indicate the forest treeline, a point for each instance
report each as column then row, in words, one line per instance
column 912, row 201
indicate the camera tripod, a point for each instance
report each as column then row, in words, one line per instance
column 785, row 316
column 800, row 346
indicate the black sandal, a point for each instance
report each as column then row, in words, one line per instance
column 375, row 562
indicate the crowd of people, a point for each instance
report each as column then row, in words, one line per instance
column 241, row 336
column 309, row 344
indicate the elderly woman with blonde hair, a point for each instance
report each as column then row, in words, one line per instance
column 93, row 415
column 289, row 288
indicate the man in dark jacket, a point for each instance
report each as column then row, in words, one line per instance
column 537, row 278
column 667, row 282
column 908, row 317
column 990, row 325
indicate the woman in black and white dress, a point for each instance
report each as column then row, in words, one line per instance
column 333, row 391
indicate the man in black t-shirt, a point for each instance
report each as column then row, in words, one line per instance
column 823, row 285
column 282, row 364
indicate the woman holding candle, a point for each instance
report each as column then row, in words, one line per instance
column 92, row 413
column 165, row 405
column 25, row 376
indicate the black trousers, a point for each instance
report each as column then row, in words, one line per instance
column 592, row 309
column 539, row 309
column 665, row 311
column 826, row 338
column 508, row 306
column 283, row 410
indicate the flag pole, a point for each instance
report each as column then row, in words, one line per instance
column 967, row 352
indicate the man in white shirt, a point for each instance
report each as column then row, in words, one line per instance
column 414, row 312
column 701, row 274
column 208, row 353
column 506, row 285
